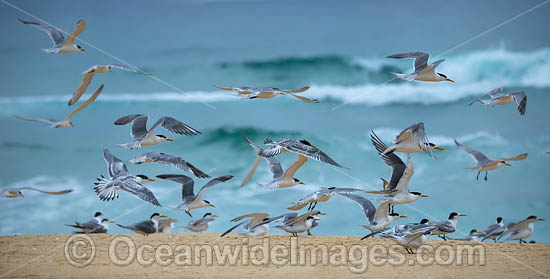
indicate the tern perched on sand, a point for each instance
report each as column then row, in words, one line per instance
column 145, row 227
column 494, row 230
column 190, row 200
column 65, row 123
column 90, row 224
column 397, row 191
column 254, row 224
column 280, row 179
column 397, row 229
column 521, row 230
column 410, row 236
column 267, row 92
column 321, row 195
column 167, row 159
column 422, row 71
column 101, row 227
column 474, row 235
column 499, row 98
column 378, row 218
column 143, row 137
column 412, row 140
column 120, row 179
column 16, row 192
column 448, row 226
column 98, row 69
column 201, row 224
column 294, row 224
column 60, row 43
column 484, row 164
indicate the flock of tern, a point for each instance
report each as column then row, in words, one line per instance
column 413, row 139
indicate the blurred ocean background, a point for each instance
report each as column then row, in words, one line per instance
column 336, row 47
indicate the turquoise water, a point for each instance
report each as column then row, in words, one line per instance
column 337, row 49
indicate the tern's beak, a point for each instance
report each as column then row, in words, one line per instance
column 148, row 160
column 212, row 205
column 111, row 221
column 150, row 179
column 169, row 139
column 403, row 216
column 462, row 214
column 440, row 148
column 82, row 50
column 316, row 219
column 541, row 219
column 21, row 195
column 322, row 213
column 214, row 215
column 508, row 164
column 302, row 183
column 163, row 216
column 425, row 196
column 450, row 80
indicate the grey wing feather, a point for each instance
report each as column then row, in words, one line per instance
column 310, row 152
column 392, row 160
column 45, row 120
column 344, row 190
column 186, row 182
column 495, row 93
column 116, row 166
column 139, row 124
column 366, row 205
column 521, row 100
column 420, row 59
column 214, row 182
column 124, row 68
column 234, row 227
column 140, row 191
column 478, row 156
column 145, row 226
column 175, row 126
column 55, row 34
column 63, row 192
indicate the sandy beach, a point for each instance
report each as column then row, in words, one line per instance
column 49, row 256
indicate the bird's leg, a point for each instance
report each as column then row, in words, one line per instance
column 308, row 232
column 188, row 213
column 314, row 206
column 486, row 175
column 495, row 240
column 309, row 207
column 477, row 177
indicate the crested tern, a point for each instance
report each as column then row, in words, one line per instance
column 120, row 179
column 322, row 195
column 474, row 235
column 294, row 224
column 397, row 229
column 167, row 159
column 397, row 190
column 281, row 179
column 190, row 200
column 268, row 92
column 255, row 224
column 166, row 225
column 97, row 69
column 412, row 140
column 378, row 218
column 494, row 230
column 422, row 71
column 142, row 137
column 410, row 236
column 484, row 164
column 90, row 224
column 60, row 43
column 101, row 227
column 498, row 98
column 448, row 226
column 65, row 123
column 16, row 192
column 521, row 230
column 145, row 227
column 201, row 224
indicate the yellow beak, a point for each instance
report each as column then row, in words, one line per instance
column 541, row 219
column 440, row 148
column 148, row 160
column 111, row 221
column 450, row 80
column 214, row 215
column 403, row 216
column 425, row 196
column 508, row 164
column 212, row 205
column 163, row 216
column 150, row 179
column 316, row 219
column 82, row 50
column 302, row 183
column 461, row 214
column 322, row 213
column 169, row 139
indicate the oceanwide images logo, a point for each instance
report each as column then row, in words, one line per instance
column 80, row 251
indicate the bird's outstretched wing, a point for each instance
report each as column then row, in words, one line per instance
column 212, row 183
column 174, row 126
column 521, row 99
column 314, row 101
column 128, row 69
column 365, row 204
column 187, row 183
column 516, row 158
column 420, row 59
column 392, row 160
column 45, row 120
column 63, row 192
column 86, row 80
column 85, row 104
column 115, row 165
column 54, row 33
column 80, row 26
column 478, row 156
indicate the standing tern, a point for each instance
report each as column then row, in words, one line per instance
column 521, row 230
column 255, row 224
column 145, row 227
column 397, row 190
column 498, row 98
column 422, row 71
column 484, row 164
column 294, row 224
column 97, row 69
column 494, row 230
column 142, row 137
column 90, row 224
column 101, row 227
column 65, row 123
column 474, row 235
column 448, row 226
column 267, row 92
column 280, row 179
column 120, row 179
column 412, row 140
column 321, row 195
column 201, row 224
column 60, row 43
column 16, row 192
column 397, row 229
column 378, row 218
column 409, row 238
column 167, row 159
column 190, row 200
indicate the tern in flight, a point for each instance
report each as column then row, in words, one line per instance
column 499, row 98
column 378, row 218
column 422, row 71
column 60, row 43
column 484, row 164
column 167, row 159
column 65, row 123
column 412, row 140
column 143, row 137
column 321, row 195
column 267, row 92
column 16, row 192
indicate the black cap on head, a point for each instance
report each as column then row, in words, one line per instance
column 154, row 214
column 265, row 219
column 309, row 217
column 473, row 231
column 206, row 214
column 142, row 176
column 532, row 217
column 499, row 219
column 206, row 201
column 416, row 193
column 161, row 136
column 424, row 221
column 97, row 214
column 452, row 215
column 296, row 180
column 104, row 220
column 305, row 142
column 394, row 214
column 331, row 188
column 442, row 75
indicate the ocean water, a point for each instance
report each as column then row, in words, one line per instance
column 336, row 48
